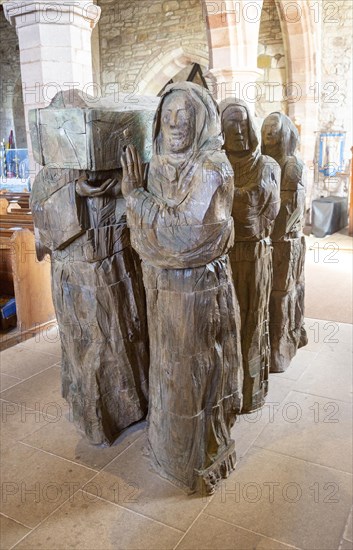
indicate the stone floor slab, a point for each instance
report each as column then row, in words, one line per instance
column 329, row 375
column 40, row 392
column 258, row 506
column 47, row 341
column 248, row 426
column 346, row 545
column 7, row 381
column 35, row 483
column 10, row 532
column 210, row 533
column 290, row 500
column 299, row 364
column 130, row 482
column 312, row 428
column 85, row 523
column 23, row 363
column 348, row 530
column 62, row 438
column 16, row 422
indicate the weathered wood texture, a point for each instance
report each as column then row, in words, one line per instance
column 255, row 207
column 182, row 228
column 90, row 138
column 287, row 332
column 97, row 291
column 99, row 300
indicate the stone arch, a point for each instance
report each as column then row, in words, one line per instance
column 232, row 42
column 232, row 33
column 301, row 35
column 161, row 68
column 233, row 54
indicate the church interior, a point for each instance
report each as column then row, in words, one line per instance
column 158, row 390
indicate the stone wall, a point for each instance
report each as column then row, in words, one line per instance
column 11, row 104
column 135, row 35
column 335, row 94
column 270, row 25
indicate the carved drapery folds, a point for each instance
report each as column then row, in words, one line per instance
column 182, row 228
column 255, row 207
column 287, row 332
column 79, row 215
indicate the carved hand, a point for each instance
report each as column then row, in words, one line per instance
column 132, row 170
column 41, row 250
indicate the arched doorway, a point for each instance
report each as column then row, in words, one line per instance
column 191, row 73
column 160, row 70
column 233, row 29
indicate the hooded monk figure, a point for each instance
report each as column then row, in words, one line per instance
column 255, row 207
column 181, row 226
column 287, row 332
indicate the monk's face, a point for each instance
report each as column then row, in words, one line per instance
column 236, row 130
column 177, row 123
column 271, row 130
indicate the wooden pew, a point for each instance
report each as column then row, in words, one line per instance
column 22, row 199
column 12, row 210
column 9, row 223
column 23, row 276
column 18, row 217
column 8, row 204
column 4, row 204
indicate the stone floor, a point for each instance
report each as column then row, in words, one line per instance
column 292, row 487
column 328, row 277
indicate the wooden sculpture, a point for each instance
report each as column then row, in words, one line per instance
column 98, row 294
column 182, row 228
column 287, row 332
column 255, row 207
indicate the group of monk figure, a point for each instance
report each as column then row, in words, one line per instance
column 178, row 284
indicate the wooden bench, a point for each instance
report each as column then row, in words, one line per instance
column 22, row 199
column 15, row 207
column 18, row 217
column 24, row 277
column 8, row 222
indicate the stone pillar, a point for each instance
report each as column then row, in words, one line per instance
column 233, row 31
column 55, row 50
column 301, row 28
column 230, row 82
